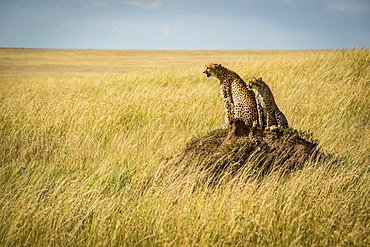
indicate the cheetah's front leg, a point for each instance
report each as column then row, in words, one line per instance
column 228, row 103
column 269, row 121
column 260, row 116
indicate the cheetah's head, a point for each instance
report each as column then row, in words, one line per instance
column 254, row 83
column 210, row 69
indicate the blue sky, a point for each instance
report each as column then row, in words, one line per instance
column 185, row 24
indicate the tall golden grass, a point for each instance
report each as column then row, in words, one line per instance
column 82, row 133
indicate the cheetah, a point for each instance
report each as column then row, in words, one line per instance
column 266, row 105
column 239, row 101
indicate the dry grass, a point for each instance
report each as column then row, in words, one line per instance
column 82, row 133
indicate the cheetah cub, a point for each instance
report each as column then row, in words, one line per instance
column 266, row 105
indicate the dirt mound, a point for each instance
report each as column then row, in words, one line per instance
column 232, row 151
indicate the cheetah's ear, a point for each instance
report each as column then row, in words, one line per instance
column 260, row 79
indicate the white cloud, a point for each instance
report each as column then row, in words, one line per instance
column 292, row 1
column 147, row 4
column 156, row 4
column 164, row 30
column 95, row 3
column 349, row 7
column 264, row 2
column 130, row 28
column 125, row 28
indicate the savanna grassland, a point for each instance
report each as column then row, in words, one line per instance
column 83, row 132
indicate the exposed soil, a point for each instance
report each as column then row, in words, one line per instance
column 232, row 151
